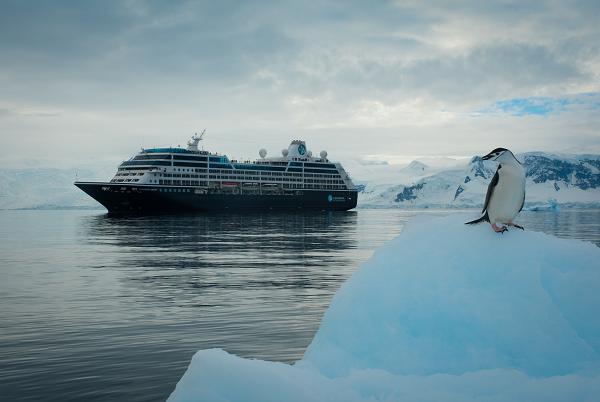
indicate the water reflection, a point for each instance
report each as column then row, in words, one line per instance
column 254, row 284
column 193, row 233
column 184, row 257
column 568, row 223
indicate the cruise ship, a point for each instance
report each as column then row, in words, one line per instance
column 176, row 179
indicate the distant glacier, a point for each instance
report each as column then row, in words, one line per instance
column 47, row 188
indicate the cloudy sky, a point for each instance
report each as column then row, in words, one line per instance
column 92, row 81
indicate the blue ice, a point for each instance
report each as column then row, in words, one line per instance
column 444, row 312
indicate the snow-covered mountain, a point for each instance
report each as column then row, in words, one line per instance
column 47, row 188
column 567, row 180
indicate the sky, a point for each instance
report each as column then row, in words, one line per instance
column 90, row 82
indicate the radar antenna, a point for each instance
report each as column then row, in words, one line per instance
column 193, row 143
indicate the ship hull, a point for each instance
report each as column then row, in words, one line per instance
column 146, row 199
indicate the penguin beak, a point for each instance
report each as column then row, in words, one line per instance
column 488, row 156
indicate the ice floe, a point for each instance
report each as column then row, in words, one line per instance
column 444, row 312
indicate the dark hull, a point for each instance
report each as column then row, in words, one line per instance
column 129, row 199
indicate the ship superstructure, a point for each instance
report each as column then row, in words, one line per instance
column 191, row 179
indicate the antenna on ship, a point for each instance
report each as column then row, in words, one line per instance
column 193, row 143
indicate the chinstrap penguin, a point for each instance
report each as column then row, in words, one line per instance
column 506, row 192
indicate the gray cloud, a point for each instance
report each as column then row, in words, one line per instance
column 493, row 71
column 115, row 69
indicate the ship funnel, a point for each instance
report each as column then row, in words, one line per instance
column 297, row 149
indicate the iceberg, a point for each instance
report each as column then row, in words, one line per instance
column 444, row 312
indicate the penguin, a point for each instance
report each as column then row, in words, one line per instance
column 506, row 192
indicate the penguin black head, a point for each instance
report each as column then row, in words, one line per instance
column 502, row 156
column 495, row 154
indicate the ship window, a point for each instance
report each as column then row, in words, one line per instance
column 145, row 157
column 189, row 157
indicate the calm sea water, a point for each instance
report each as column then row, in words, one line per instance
column 99, row 308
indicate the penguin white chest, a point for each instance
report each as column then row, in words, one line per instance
column 505, row 202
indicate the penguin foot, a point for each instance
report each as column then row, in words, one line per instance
column 499, row 229
column 517, row 226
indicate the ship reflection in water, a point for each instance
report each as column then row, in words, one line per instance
column 244, row 282
column 255, row 285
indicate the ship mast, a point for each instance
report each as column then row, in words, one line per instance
column 193, row 143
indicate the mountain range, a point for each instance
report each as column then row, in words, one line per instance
column 552, row 180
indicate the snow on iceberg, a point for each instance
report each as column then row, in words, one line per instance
column 443, row 312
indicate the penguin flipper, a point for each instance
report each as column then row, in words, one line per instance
column 522, row 202
column 484, row 218
column 490, row 190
